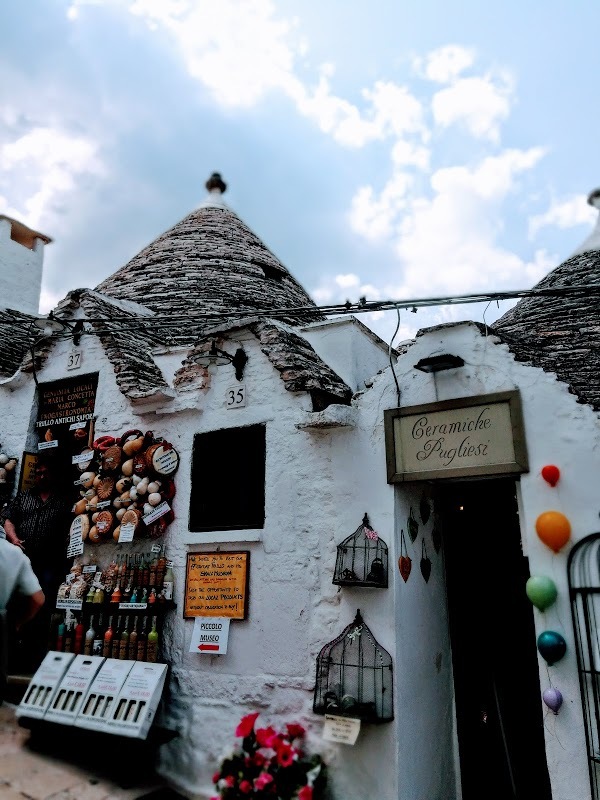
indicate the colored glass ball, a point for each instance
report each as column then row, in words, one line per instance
column 551, row 646
column 554, row 529
column 551, row 474
column 541, row 591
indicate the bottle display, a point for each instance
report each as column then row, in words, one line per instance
column 89, row 639
column 108, row 640
column 152, row 647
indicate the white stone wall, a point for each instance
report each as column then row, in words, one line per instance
column 20, row 272
column 319, row 485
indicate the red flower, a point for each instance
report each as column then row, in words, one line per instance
column 264, row 736
column 294, row 730
column 285, row 755
column 229, row 780
column 264, row 779
column 258, row 759
column 305, row 793
column 246, row 725
column 216, row 777
column 245, row 787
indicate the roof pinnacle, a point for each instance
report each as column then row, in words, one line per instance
column 216, row 183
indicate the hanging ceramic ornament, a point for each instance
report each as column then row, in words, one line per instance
column 554, row 529
column 551, row 646
column 424, row 510
column 412, row 525
column 551, row 474
column 425, row 562
column 404, row 562
column 436, row 534
column 553, row 699
column 541, row 591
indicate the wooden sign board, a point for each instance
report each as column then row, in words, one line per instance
column 27, row 476
column 216, row 584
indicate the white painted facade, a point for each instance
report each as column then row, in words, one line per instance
column 20, row 268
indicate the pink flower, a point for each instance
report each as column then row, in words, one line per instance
column 305, row 793
column 285, row 755
column 263, row 780
column 229, row 780
column 258, row 759
column 264, row 736
column 246, row 725
column 245, row 787
column 216, row 777
column 294, row 730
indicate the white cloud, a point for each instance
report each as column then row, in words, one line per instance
column 480, row 104
column 409, row 154
column 374, row 217
column 347, row 281
column 446, row 63
column 563, row 214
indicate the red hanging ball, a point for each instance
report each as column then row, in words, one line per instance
column 551, row 474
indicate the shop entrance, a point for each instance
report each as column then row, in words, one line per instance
column 496, row 682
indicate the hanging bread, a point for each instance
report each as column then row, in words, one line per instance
column 105, row 488
column 132, row 442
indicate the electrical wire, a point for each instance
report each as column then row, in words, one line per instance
column 390, row 350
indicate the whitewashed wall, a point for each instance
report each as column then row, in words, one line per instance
column 20, row 272
column 320, row 482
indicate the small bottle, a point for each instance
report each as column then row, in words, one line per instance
column 89, row 639
column 152, row 573
column 98, row 643
column 126, row 596
column 99, row 596
column 78, row 636
column 169, row 583
column 144, row 597
column 152, row 649
column 134, row 596
column 89, row 598
column 141, row 642
column 60, row 636
column 161, row 567
column 69, row 636
column 115, row 597
column 124, row 641
column 108, row 640
column 133, row 639
column 152, row 596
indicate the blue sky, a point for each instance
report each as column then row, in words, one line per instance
column 386, row 149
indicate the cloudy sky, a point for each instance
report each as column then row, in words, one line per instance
column 387, row 149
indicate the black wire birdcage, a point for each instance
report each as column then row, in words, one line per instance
column 584, row 592
column 355, row 676
column 362, row 559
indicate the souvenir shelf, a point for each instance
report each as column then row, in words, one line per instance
column 362, row 559
column 355, row 676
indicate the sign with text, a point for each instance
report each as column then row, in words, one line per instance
column 210, row 636
column 216, row 584
column 469, row 436
column 344, row 730
column 67, row 401
column 27, row 476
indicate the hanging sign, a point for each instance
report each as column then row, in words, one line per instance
column 344, row 730
column 27, row 476
column 216, row 584
column 67, row 401
column 469, row 436
column 210, row 636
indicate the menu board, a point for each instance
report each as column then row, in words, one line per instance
column 216, row 584
column 67, row 401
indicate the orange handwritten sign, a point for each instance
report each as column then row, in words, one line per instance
column 216, row 584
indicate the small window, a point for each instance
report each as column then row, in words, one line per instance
column 228, row 480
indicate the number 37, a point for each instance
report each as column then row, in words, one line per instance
column 236, row 397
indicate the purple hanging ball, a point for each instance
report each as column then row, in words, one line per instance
column 553, row 699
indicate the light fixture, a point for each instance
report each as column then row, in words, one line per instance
column 50, row 324
column 217, row 358
column 439, row 363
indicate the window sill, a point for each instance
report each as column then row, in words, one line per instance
column 211, row 537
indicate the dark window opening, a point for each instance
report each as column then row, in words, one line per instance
column 321, row 400
column 228, row 479
column 272, row 273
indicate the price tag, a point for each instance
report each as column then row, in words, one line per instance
column 156, row 548
column 235, row 396
column 75, row 426
column 103, row 504
column 82, row 458
column 126, row 532
column 74, row 605
column 344, row 730
column 74, row 359
column 47, row 445
column 75, row 547
column 133, row 606
column 90, row 568
column 69, row 578
column 160, row 510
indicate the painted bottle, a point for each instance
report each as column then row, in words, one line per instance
column 152, row 649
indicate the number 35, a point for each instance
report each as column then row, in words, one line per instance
column 236, row 397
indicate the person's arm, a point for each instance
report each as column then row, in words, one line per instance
column 30, row 608
column 11, row 533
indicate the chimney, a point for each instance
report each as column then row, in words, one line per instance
column 21, row 264
column 593, row 240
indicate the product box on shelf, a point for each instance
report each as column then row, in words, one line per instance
column 73, row 688
column 100, row 702
column 138, row 700
column 44, row 685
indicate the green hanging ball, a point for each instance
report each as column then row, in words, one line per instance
column 541, row 591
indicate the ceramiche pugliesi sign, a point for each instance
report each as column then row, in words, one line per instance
column 469, row 436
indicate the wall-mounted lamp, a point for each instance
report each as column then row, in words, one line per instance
column 50, row 324
column 439, row 363
column 217, row 358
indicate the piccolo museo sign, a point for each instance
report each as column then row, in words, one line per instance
column 469, row 436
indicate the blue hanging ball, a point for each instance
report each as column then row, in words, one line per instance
column 551, row 646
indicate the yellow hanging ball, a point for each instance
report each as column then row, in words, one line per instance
column 554, row 529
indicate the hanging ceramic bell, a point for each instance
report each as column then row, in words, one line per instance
column 425, row 562
column 412, row 525
column 404, row 562
column 377, row 573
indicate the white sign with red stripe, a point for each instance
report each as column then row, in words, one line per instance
column 210, row 636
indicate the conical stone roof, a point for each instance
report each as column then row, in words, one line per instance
column 562, row 334
column 208, row 264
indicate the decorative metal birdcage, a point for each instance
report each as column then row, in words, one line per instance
column 362, row 559
column 584, row 592
column 355, row 676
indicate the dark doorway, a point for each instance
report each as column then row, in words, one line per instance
column 497, row 688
